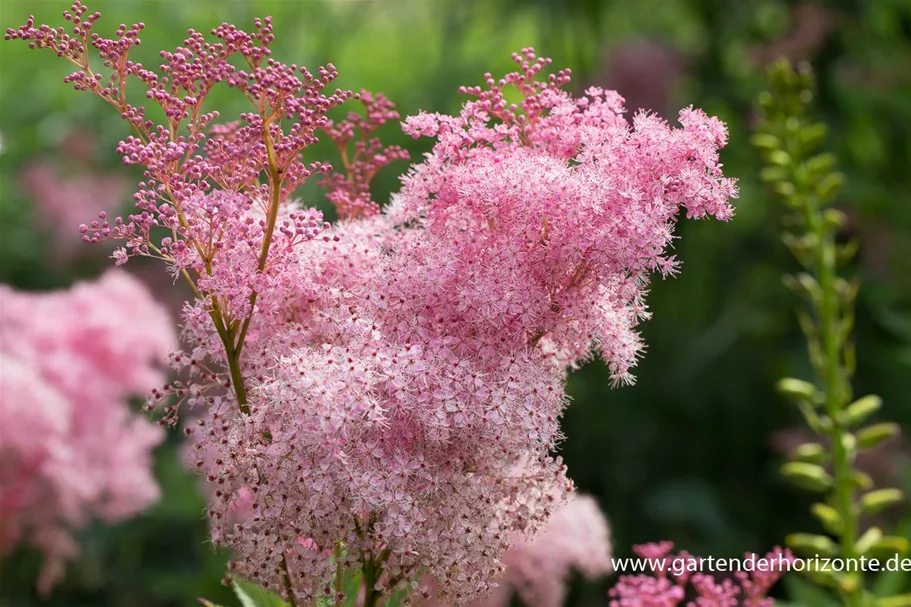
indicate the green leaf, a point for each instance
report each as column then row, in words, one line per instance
column 869, row 539
column 830, row 185
column 808, row 476
column 862, row 480
column 889, row 583
column 829, row 517
column 772, row 174
column 807, row 543
column 811, row 136
column 779, row 157
column 895, row 601
column 821, row 165
column 858, row 411
column 891, row 545
column 804, row 592
column 876, row 501
column 875, row 434
column 765, row 141
column 251, row 595
column 812, row 453
column 796, row 389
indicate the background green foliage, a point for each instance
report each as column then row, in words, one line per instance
column 687, row 454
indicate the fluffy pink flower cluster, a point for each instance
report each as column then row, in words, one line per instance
column 403, row 370
column 70, row 450
column 385, row 393
column 666, row 589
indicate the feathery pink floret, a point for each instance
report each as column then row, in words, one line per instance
column 70, row 450
column 553, row 218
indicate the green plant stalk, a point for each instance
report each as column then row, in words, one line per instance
column 832, row 378
column 286, row 581
column 339, row 571
column 237, row 380
column 371, row 574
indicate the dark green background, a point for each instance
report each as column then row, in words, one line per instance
column 686, row 454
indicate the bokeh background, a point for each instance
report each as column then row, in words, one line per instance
column 691, row 452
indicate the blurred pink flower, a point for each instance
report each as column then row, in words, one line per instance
column 537, row 569
column 65, row 193
column 70, row 450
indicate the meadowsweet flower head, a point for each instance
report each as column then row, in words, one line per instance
column 385, row 393
column 425, row 348
column 70, row 450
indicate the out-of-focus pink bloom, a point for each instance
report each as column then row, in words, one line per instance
column 70, row 449
column 646, row 71
column 63, row 201
column 576, row 537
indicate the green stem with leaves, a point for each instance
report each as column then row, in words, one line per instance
column 807, row 183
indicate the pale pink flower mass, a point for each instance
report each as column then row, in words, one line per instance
column 385, row 392
column 70, row 449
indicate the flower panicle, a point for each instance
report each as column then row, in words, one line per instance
column 350, row 191
column 393, row 383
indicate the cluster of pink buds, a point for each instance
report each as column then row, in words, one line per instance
column 349, row 192
column 384, row 393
